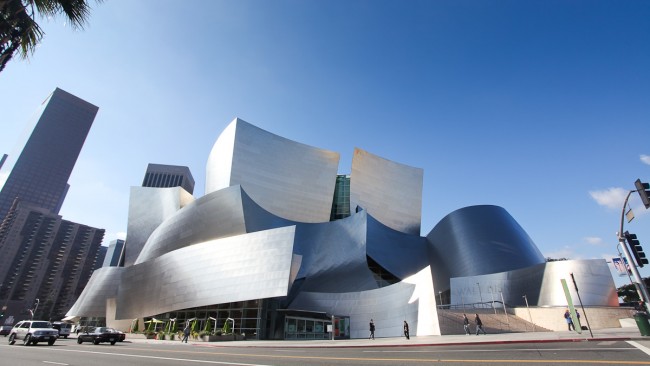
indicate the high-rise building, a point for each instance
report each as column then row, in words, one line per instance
column 40, row 175
column 341, row 203
column 114, row 254
column 47, row 258
column 46, row 261
column 165, row 176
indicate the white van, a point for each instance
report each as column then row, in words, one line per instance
column 64, row 328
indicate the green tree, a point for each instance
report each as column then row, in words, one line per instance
column 628, row 292
column 208, row 326
column 19, row 31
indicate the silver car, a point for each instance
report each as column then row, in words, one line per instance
column 32, row 332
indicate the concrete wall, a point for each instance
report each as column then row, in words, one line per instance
column 552, row 318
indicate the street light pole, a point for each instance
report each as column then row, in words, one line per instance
column 529, row 316
column 35, row 308
column 504, row 308
column 479, row 292
column 643, row 291
column 492, row 296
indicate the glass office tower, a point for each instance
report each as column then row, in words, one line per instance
column 40, row 175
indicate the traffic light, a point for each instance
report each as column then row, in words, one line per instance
column 644, row 192
column 636, row 249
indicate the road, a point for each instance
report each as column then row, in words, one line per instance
column 68, row 352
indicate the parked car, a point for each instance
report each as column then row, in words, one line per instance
column 100, row 335
column 63, row 328
column 5, row 330
column 32, row 332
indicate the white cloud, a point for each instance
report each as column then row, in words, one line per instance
column 610, row 198
column 593, row 240
column 645, row 159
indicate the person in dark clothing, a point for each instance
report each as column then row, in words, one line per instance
column 406, row 330
column 569, row 321
column 466, row 324
column 186, row 334
column 479, row 325
column 372, row 330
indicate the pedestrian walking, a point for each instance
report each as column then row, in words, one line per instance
column 372, row 329
column 466, row 324
column 406, row 330
column 186, row 334
column 479, row 325
column 569, row 321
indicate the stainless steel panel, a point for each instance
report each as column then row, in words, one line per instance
column 102, row 285
column 541, row 284
column 289, row 179
column 215, row 215
column 401, row 254
column 243, row 267
column 389, row 191
column 412, row 300
column 148, row 208
column 478, row 240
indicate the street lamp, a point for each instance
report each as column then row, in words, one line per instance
column 34, row 310
column 479, row 292
column 440, row 297
column 529, row 316
column 504, row 308
column 492, row 296
column 233, row 324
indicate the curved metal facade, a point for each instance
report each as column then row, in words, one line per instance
column 289, row 179
column 412, row 300
column 103, row 285
column 242, row 267
column 262, row 232
column 148, row 208
column 478, row 240
column 541, row 284
column 389, row 191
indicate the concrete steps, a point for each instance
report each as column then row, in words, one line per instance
column 451, row 322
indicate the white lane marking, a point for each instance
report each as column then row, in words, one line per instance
column 640, row 347
column 56, row 363
column 161, row 358
column 290, row 350
column 510, row 350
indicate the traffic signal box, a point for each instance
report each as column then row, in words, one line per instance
column 636, row 249
column 644, row 192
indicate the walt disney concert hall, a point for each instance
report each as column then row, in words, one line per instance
column 282, row 246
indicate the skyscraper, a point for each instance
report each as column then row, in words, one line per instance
column 45, row 257
column 40, row 175
column 165, row 176
column 46, row 260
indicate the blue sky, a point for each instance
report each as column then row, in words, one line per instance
column 540, row 107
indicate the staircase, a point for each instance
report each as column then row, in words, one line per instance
column 451, row 322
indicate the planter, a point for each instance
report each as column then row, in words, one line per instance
column 221, row 338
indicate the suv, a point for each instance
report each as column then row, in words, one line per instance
column 32, row 332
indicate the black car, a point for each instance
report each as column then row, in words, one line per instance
column 100, row 335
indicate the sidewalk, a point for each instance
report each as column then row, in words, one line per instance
column 620, row 334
